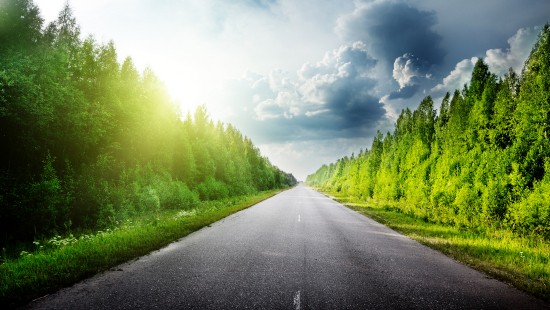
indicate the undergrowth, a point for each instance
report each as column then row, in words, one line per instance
column 63, row 260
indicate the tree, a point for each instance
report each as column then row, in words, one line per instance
column 503, row 124
column 483, row 162
column 91, row 141
column 532, row 115
column 20, row 26
column 444, row 111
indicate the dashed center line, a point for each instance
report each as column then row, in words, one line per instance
column 298, row 217
column 297, row 302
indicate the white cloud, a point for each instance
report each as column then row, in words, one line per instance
column 520, row 45
column 406, row 70
column 348, row 67
column 276, row 96
column 459, row 76
column 340, row 83
column 268, row 109
column 498, row 60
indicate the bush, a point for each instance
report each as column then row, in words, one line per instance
column 241, row 189
column 532, row 214
column 46, row 200
column 494, row 201
column 466, row 202
column 176, row 195
column 212, row 189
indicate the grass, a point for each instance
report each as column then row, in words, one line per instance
column 520, row 261
column 60, row 262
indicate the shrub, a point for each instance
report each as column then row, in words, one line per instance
column 176, row 195
column 466, row 203
column 532, row 214
column 212, row 189
column 46, row 200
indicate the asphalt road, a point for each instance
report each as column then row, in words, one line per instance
column 297, row 250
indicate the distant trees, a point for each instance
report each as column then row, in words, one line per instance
column 87, row 141
column 483, row 161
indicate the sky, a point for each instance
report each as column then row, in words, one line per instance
column 311, row 81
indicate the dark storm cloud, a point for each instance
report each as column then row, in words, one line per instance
column 304, row 128
column 332, row 98
column 471, row 27
column 342, row 87
column 404, row 92
column 410, row 73
column 350, row 101
column 397, row 35
column 398, row 55
column 392, row 29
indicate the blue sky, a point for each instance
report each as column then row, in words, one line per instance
column 311, row 80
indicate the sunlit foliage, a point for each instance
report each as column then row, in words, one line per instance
column 87, row 141
column 484, row 161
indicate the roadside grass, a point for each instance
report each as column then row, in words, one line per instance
column 62, row 261
column 520, row 261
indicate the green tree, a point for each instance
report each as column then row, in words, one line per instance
column 483, row 162
column 120, row 145
column 20, row 26
column 532, row 116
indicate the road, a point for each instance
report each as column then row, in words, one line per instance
column 297, row 250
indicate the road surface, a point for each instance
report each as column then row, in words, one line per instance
column 297, row 250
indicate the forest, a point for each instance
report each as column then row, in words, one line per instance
column 87, row 141
column 482, row 161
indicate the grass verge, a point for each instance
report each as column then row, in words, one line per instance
column 519, row 261
column 73, row 259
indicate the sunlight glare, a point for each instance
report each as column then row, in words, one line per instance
column 198, row 78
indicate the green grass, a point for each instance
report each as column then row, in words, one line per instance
column 60, row 262
column 522, row 262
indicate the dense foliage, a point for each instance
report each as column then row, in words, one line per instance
column 483, row 161
column 87, row 141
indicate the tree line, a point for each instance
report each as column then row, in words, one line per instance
column 483, row 161
column 87, row 141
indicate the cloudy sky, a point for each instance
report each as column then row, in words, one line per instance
column 311, row 81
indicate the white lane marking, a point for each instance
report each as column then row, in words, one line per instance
column 297, row 302
column 298, row 217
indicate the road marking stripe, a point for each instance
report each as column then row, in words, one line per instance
column 298, row 217
column 297, row 302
